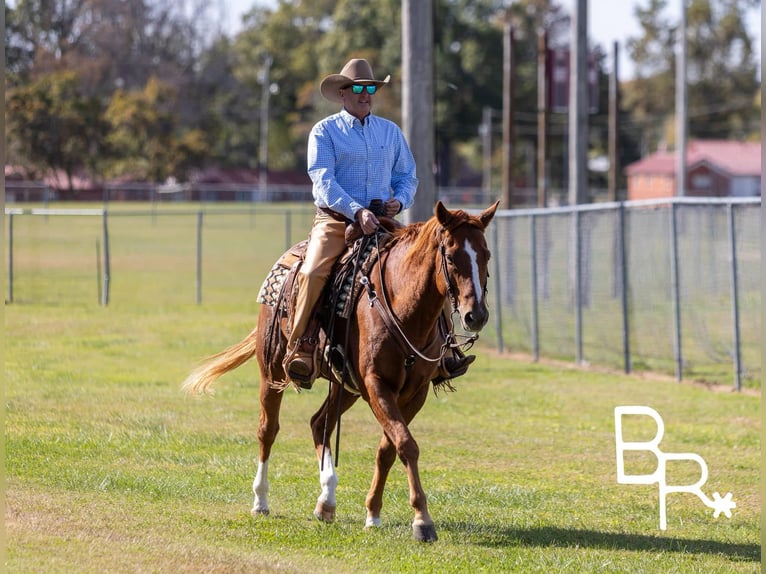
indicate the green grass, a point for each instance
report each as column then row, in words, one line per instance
column 110, row 468
column 153, row 258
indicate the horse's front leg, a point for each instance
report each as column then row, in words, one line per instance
column 394, row 423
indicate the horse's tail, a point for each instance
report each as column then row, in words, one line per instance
column 216, row 365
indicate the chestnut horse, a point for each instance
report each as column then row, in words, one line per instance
column 393, row 351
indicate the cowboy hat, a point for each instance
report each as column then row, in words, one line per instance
column 355, row 71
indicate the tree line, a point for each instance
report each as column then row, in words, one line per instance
column 149, row 89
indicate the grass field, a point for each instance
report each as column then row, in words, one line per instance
column 109, row 468
column 176, row 252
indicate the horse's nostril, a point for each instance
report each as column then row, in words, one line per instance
column 469, row 318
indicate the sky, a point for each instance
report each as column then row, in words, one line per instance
column 608, row 21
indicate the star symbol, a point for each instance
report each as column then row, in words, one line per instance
column 724, row 504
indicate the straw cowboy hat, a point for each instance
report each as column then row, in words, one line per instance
column 356, row 71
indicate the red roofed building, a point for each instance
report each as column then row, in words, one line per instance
column 715, row 168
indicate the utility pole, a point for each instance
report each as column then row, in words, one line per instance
column 509, row 85
column 486, row 144
column 417, row 101
column 542, row 118
column 578, row 105
column 263, row 154
column 681, row 103
column 614, row 123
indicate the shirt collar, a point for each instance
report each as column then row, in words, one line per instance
column 350, row 120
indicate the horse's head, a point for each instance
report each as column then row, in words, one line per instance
column 465, row 261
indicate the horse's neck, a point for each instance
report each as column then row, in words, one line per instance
column 413, row 282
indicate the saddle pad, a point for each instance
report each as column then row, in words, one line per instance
column 269, row 292
column 272, row 285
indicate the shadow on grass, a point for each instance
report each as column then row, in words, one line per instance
column 548, row 536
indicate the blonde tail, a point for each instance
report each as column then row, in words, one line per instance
column 216, row 365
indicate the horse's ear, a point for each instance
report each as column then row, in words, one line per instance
column 442, row 214
column 487, row 215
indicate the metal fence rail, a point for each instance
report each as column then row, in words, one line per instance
column 670, row 286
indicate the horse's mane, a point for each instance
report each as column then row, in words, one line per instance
column 424, row 235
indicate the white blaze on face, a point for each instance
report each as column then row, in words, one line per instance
column 473, row 257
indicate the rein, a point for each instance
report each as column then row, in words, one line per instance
column 393, row 325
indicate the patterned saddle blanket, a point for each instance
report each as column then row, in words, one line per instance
column 345, row 285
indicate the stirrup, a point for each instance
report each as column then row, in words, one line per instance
column 335, row 357
column 453, row 367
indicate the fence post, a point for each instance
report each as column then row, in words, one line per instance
column 624, row 288
column 288, row 229
column 498, row 283
column 105, row 290
column 578, row 287
column 10, row 258
column 533, row 285
column 675, row 286
column 735, row 298
column 199, row 257
column 98, row 270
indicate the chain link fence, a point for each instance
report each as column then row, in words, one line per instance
column 669, row 286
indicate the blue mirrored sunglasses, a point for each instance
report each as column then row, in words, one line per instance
column 357, row 89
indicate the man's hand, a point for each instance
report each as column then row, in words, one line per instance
column 367, row 221
column 392, row 207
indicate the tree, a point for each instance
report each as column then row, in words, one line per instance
column 721, row 72
column 145, row 141
column 53, row 125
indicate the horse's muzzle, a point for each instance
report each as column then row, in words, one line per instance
column 475, row 319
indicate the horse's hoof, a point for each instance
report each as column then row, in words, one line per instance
column 424, row 532
column 256, row 512
column 324, row 512
column 372, row 522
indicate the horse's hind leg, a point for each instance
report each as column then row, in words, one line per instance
column 271, row 400
column 326, row 418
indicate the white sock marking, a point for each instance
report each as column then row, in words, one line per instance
column 261, row 488
column 328, row 480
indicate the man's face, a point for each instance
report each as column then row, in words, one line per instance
column 358, row 105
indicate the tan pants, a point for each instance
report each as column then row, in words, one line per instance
column 326, row 243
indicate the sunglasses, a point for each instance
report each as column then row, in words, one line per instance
column 358, row 88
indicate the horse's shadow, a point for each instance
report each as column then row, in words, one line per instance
column 549, row 536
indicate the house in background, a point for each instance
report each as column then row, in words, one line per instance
column 715, row 168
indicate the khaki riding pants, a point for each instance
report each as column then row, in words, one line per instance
column 327, row 242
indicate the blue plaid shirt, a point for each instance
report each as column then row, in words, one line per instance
column 351, row 164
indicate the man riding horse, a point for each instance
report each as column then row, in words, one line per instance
column 361, row 167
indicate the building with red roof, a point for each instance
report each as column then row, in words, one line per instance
column 715, row 168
